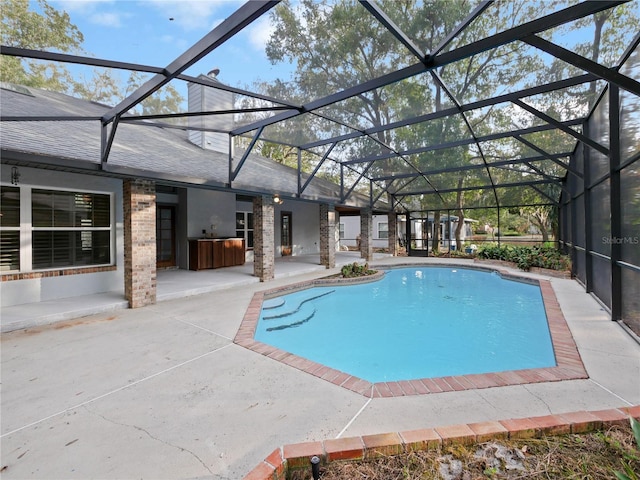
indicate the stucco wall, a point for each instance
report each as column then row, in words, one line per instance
column 305, row 221
column 16, row 292
column 352, row 230
column 206, row 208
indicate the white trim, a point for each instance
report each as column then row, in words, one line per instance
column 26, row 228
column 378, row 237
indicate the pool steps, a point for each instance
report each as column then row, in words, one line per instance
column 297, row 323
column 273, row 303
column 293, row 312
column 300, row 309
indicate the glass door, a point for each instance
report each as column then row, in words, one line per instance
column 286, row 244
column 419, row 234
column 165, row 236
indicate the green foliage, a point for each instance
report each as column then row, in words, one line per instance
column 491, row 471
column 357, row 48
column 526, row 257
column 356, row 270
column 452, row 254
column 629, row 474
column 39, row 26
column 494, row 252
column 165, row 100
column 48, row 29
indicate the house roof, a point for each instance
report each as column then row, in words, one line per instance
column 141, row 150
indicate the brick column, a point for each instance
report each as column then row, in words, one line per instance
column 139, row 197
column 327, row 235
column 263, row 238
column 366, row 235
column 392, row 225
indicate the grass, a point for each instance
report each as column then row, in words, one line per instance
column 592, row 456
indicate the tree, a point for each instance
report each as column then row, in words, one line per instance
column 101, row 87
column 166, row 100
column 49, row 30
column 610, row 29
column 357, row 48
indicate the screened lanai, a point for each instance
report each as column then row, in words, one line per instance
column 449, row 107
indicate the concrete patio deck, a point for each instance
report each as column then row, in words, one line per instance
column 171, row 284
column 162, row 392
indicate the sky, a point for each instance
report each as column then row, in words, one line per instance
column 156, row 32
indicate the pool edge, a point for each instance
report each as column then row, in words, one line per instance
column 569, row 364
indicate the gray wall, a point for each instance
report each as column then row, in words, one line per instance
column 352, row 230
column 197, row 210
column 206, row 208
column 305, row 220
column 41, row 289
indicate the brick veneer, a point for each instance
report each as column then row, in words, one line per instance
column 327, row 235
column 282, row 461
column 366, row 245
column 568, row 362
column 8, row 277
column 139, row 198
column 263, row 238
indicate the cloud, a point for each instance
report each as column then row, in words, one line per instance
column 259, row 32
column 106, row 19
column 80, row 6
column 186, row 14
column 191, row 14
column 97, row 12
column 179, row 43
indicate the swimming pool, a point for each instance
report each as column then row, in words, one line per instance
column 415, row 323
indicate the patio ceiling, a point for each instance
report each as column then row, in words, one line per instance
column 504, row 139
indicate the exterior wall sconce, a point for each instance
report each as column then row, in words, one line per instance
column 277, row 200
column 15, row 176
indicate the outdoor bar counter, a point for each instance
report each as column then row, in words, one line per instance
column 205, row 253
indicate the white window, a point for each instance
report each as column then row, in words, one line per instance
column 383, row 230
column 67, row 229
column 9, row 228
column 244, row 228
column 342, row 231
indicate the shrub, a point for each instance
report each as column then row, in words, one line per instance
column 452, row 254
column 356, row 270
column 527, row 257
column 494, row 252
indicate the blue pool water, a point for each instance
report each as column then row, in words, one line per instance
column 414, row 323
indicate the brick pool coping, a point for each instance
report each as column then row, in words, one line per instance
column 569, row 365
column 282, row 461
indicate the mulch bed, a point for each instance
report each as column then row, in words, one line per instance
column 578, row 456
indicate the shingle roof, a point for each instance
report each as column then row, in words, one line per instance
column 138, row 150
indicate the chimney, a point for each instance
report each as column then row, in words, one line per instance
column 202, row 99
